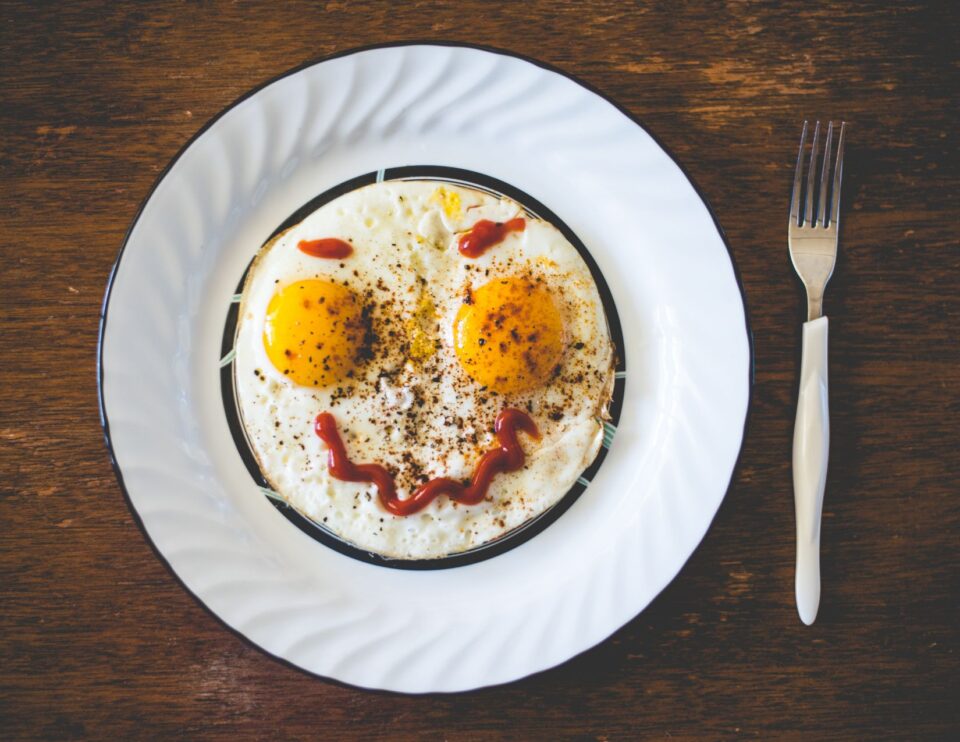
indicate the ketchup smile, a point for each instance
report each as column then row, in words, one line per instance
column 507, row 457
column 485, row 234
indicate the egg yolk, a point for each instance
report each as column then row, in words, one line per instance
column 313, row 331
column 508, row 335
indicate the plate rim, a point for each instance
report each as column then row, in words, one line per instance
column 104, row 310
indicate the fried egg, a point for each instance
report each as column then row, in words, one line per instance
column 414, row 342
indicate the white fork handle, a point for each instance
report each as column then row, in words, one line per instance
column 811, row 447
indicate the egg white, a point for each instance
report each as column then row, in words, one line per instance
column 426, row 417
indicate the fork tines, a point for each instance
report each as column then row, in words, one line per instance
column 815, row 214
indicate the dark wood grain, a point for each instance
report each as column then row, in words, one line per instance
column 97, row 639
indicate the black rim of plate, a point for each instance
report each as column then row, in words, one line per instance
column 104, row 311
column 526, row 530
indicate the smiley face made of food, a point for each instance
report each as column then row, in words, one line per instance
column 421, row 367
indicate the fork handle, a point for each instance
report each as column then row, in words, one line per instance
column 811, row 447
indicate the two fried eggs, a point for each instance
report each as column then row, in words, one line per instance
column 415, row 349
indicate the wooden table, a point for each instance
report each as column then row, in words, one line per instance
column 97, row 639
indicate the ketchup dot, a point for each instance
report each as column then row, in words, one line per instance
column 328, row 247
column 485, row 234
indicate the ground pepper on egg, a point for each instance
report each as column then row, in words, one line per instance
column 394, row 372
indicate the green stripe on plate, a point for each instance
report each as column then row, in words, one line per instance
column 270, row 493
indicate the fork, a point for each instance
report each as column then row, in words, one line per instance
column 812, row 237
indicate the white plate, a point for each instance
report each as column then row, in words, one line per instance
column 686, row 345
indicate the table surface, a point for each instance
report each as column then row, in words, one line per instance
column 98, row 640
